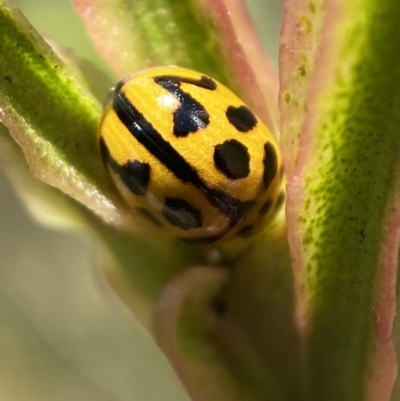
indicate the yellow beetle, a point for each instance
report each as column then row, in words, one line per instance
column 190, row 156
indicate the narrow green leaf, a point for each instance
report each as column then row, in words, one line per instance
column 53, row 117
column 89, row 74
column 343, row 233
column 47, row 204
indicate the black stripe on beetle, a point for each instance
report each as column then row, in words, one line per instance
column 270, row 164
column 190, row 116
column 241, row 118
column 204, row 81
column 153, row 141
column 232, row 158
column 110, row 96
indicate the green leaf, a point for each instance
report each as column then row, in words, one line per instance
column 88, row 74
column 342, row 205
column 53, row 117
column 47, row 204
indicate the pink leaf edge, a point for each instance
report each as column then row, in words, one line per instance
column 250, row 68
column 385, row 369
column 167, row 315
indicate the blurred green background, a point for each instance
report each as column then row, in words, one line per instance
column 63, row 334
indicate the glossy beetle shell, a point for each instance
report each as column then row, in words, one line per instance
column 190, row 156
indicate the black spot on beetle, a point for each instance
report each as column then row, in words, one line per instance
column 181, row 214
column 270, row 164
column 232, row 158
column 135, row 175
column 191, row 115
column 241, row 118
